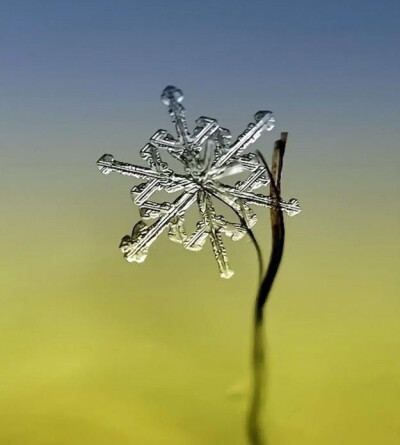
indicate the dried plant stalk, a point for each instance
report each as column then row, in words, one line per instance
column 254, row 429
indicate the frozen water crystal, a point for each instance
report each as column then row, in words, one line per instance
column 207, row 156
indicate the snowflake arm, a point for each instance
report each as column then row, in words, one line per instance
column 136, row 246
column 213, row 225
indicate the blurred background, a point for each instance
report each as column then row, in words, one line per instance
column 95, row 350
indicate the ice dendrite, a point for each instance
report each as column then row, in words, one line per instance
column 208, row 157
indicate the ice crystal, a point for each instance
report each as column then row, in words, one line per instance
column 207, row 157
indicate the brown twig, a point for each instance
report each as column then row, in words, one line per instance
column 278, row 239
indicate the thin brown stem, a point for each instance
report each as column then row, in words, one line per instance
column 254, row 428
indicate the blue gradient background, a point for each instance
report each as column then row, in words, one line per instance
column 98, row 351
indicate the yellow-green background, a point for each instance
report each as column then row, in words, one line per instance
column 94, row 350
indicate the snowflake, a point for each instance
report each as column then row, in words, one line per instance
column 207, row 157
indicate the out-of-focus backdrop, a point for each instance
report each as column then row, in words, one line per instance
column 98, row 351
